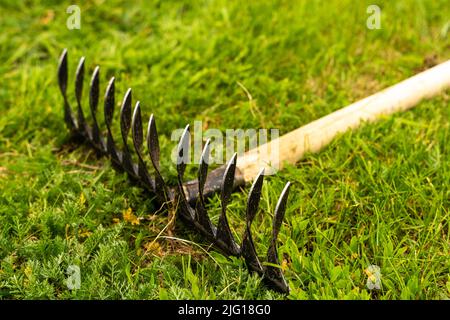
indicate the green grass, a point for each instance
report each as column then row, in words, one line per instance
column 377, row 195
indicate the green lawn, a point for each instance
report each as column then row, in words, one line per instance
column 375, row 196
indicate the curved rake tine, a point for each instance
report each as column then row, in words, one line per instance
column 62, row 81
column 274, row 274
column 79, row 77
column 182, row 159
column 125, row 124
column 248, row 250
column 200, row 209
column 93, row 103
column 138, row 139
column 153, row 149
column 108, row 110
column 223, row 228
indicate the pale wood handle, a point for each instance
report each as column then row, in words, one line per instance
column 315, row 135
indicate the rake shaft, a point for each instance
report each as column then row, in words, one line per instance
column 291, row 147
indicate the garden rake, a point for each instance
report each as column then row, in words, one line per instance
column 189, row 198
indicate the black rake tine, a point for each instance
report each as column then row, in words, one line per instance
column 248, row 250
column 93, row 104
column 62, row 81
column 109, row 102
column 62, row 72
column 203, row 167
column 200, row 209
column 108, row 110
column 273, row 273
column 224, row 234
column 125, row 125
column 138, row 139
column 79, row 77
column 182, row 156
column 183, row 153
column 154, row 152
column 153, row 142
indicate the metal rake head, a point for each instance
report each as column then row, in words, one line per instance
column 188, row 198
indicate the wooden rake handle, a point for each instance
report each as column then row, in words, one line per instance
column 291, row 147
